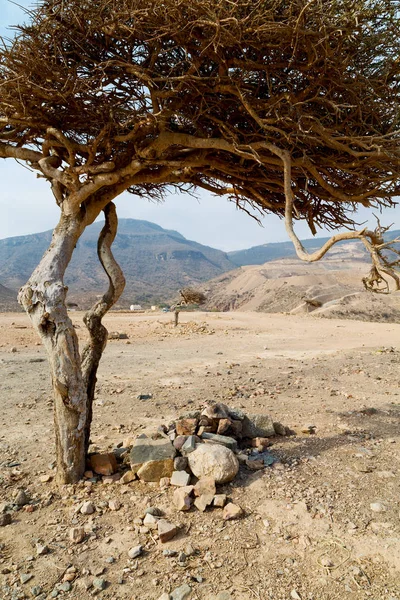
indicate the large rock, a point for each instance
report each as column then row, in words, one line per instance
column 257, row 426
column 213, row 460
column 152, row 459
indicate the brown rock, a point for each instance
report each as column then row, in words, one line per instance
column 203, row 501
column 205, row 485
column 220, row 500
column 5, row 519
column 77, row 535
column 223, row 426
column 154, row 470
column 232, row 511
column 206, row 429
column 152, row 459
column 128, row 477
column 166, row 530
column 260, row 443
column 182, row 497
column 103, row 464
column 208, row 425
column 186, row 426
column 206, row 422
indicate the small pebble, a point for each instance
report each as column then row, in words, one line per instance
column 99, row 583
column 135, row 551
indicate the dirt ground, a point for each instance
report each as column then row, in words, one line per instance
column 321, row 524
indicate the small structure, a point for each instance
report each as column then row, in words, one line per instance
column 134, row 307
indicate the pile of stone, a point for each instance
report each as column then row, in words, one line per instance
column 202, row 449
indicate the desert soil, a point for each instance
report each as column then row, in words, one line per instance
column 321, row 524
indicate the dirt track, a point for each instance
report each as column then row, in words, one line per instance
column 308, row 527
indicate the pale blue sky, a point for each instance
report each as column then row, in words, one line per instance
column 27, row 205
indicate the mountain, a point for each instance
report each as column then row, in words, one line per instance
column 156, row 262
column 8, row 299
column 258, row 255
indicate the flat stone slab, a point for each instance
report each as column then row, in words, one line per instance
column 152, row 459
column 223, row 440
column 147, row 449
column 180, row 478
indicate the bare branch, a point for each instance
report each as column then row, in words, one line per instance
column 375, row 281
column 93, row 351
column 8, row 151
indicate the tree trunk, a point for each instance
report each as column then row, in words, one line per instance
column 92, row 353
column 43, row 298
column 176, row 318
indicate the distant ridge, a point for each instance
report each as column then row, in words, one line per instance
column 258, row 255
column 157, row 262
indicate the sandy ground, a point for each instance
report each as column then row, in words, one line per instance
column 309, row 530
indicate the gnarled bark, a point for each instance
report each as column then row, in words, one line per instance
column 93, row 351
column 43, row 298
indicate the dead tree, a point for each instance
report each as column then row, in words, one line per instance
column 283, row 107
column 189, row 296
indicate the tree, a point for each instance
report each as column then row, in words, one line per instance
column 283, row 106
column 189, row 296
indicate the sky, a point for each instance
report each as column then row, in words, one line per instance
column 27, row 204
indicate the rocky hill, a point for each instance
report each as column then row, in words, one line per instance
column 331, row 288
column 157, row 262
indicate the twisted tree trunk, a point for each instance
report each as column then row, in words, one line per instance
column 93, row 351
column 43, row 298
